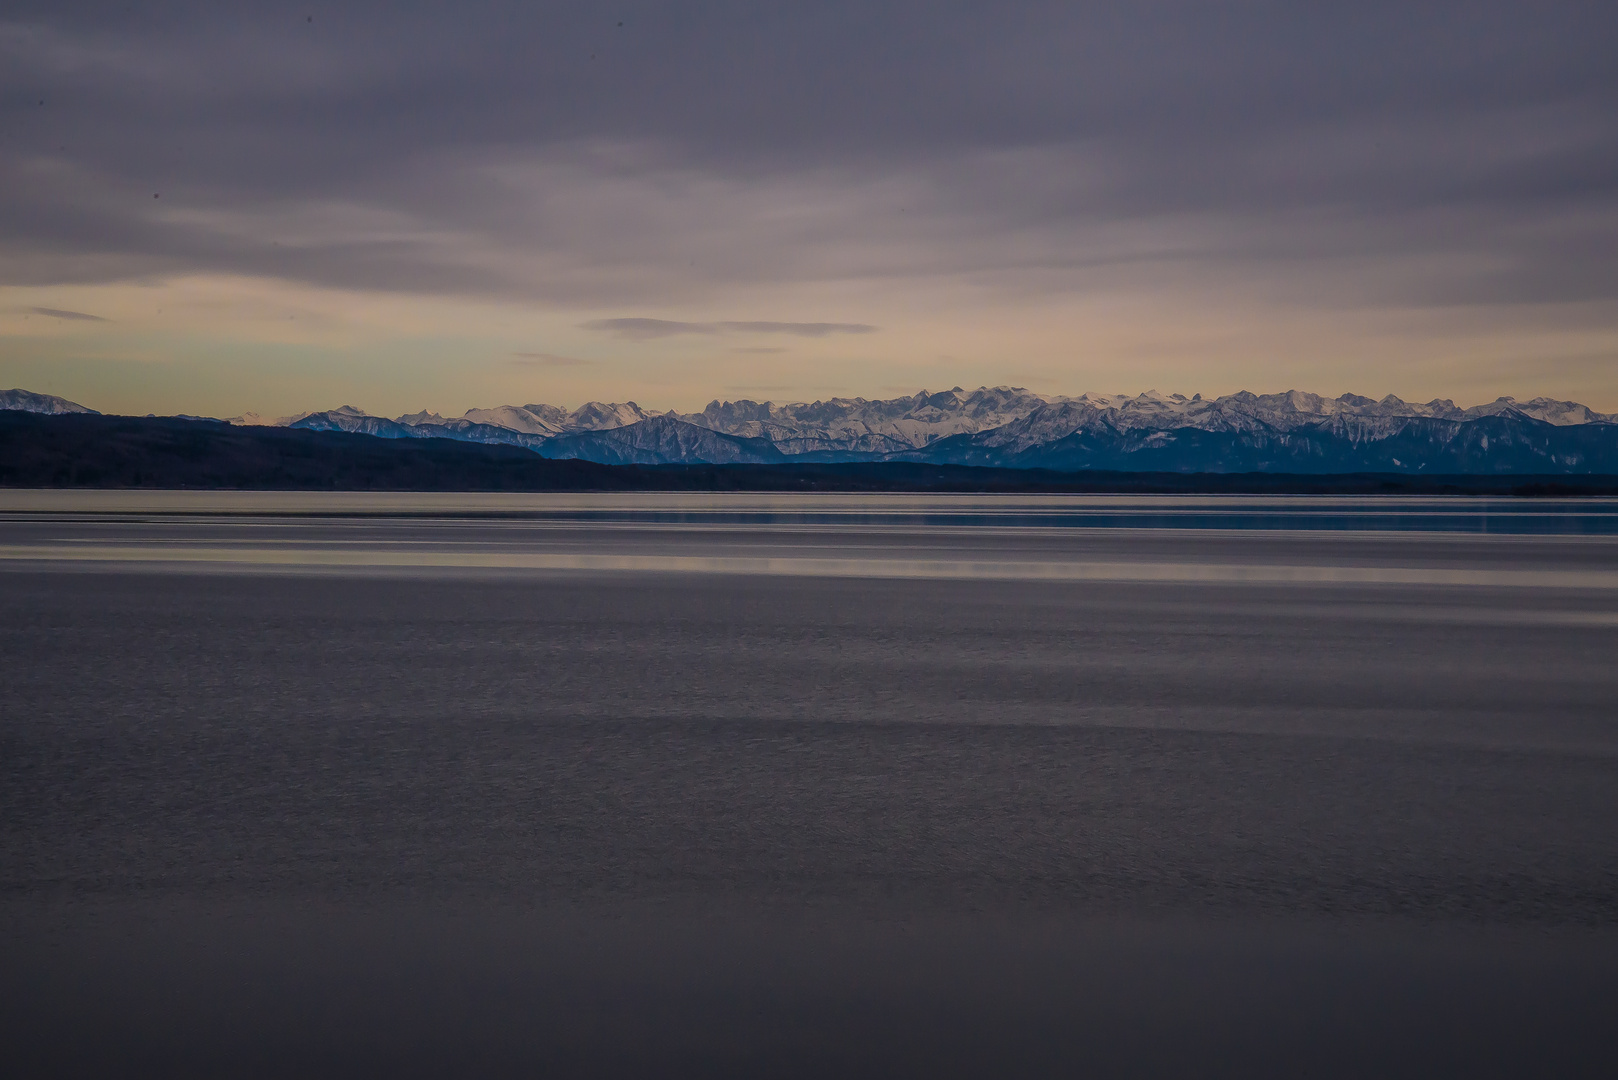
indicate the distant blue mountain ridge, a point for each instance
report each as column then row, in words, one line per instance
column 1010, row 427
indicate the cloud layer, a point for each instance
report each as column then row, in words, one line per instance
column 827, row 164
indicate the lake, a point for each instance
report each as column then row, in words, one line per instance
column 800, row 785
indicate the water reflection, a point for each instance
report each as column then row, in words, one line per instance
column 1379, row 513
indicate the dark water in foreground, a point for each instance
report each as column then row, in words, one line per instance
column 833, row 786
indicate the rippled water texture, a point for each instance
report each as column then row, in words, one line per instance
column 628, row 785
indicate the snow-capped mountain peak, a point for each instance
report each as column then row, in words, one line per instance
column 1015, row 427
column 49, row 404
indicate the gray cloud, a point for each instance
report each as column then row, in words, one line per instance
column 1459, row 153
column 644, row 329
column 71, row 316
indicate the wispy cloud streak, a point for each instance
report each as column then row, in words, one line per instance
column 70, row 316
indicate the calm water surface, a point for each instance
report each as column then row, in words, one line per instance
column 617, row 785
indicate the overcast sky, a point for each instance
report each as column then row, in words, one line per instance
column 213, row 208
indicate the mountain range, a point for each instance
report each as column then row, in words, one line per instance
column 1010, row 427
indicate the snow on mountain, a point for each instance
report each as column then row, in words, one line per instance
column 545, row 420
column 358, row 421
column 874, row 427
column 861, row 426
column 600, row 416
column 1015, row 427
column 1507, row 442
column 1246, row 412
column 253, row 419
column 422, row 417
column 661, row 440
column 50, row 404
column 1059, row 419
column 1560, row 413
column 533, row 419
